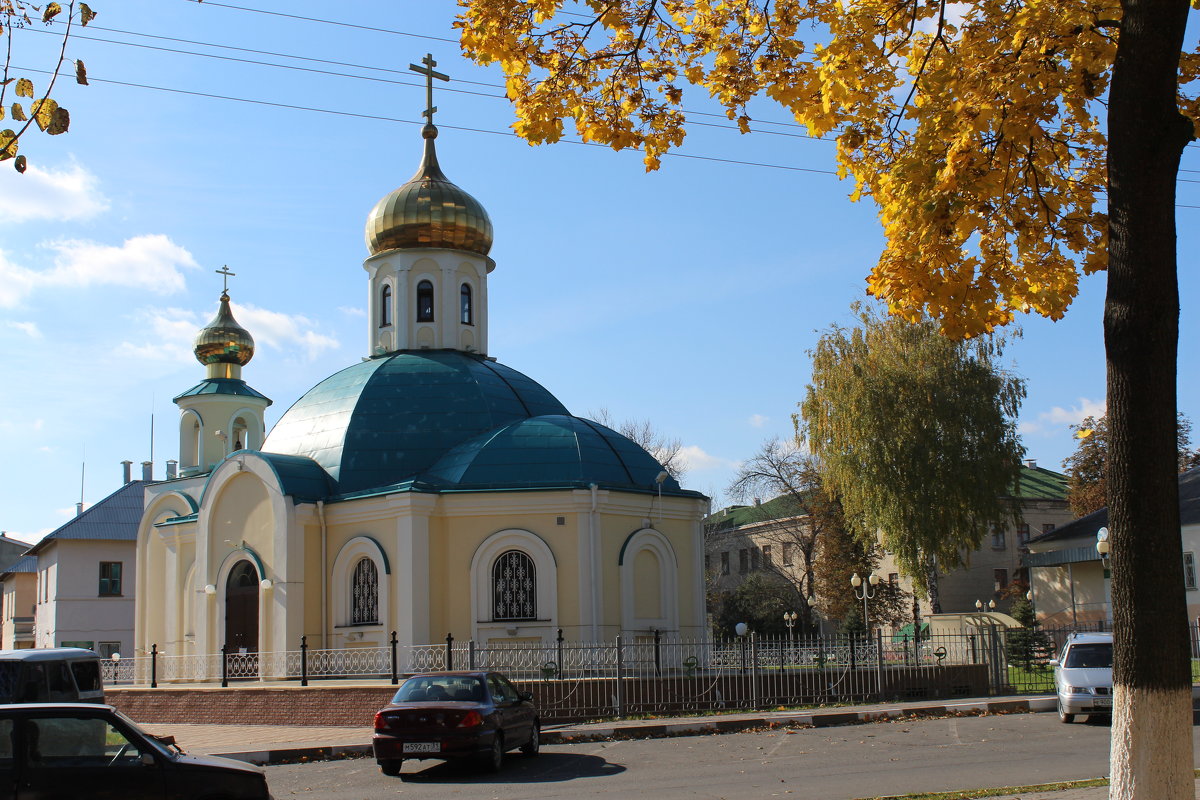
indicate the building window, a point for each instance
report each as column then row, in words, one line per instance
column 466, row 310
column 1189, row 571
column 754, row 558
column 1047, row 527
column 788, row 554
column 766, row 556
column 385, row 306
column 725, row 563
column 743, row 560
column 110, row 578
column 106, row 649
column 1022, row 534
column 514, row 587
column 364, row 593
column 893, row 578
column 1000, row 580
column 424, row 301
column 997, row 537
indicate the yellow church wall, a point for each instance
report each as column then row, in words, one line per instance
column 241, row 515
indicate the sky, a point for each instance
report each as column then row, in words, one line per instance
column 259, row 134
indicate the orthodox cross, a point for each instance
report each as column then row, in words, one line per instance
column 224, row 271
column 429, row 74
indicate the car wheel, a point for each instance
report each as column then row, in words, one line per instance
column 1063, row 716
column 391, row 766
column 494, row 759
column 534, row 745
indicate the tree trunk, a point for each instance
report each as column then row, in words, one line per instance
column 1151, row 757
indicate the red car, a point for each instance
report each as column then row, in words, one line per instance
column 450, row 715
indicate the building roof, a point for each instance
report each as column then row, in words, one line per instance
column 230, row 386
column 115, row 518
column 551, row 450
column 22, row 564
column 1039, row 483
column 737, row 516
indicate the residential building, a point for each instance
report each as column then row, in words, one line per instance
column 85, row 574
column 18, row 592
column 1070, row 580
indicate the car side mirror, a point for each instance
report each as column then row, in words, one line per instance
column 526, row 696
column 1053, row 662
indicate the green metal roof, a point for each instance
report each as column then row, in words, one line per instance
column 736, row 516
column 547, row 451
column 387, row 420
column 1039, row 483
column 233, row 386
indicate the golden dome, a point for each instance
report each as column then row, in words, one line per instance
column 223, row 341
column 429, row 211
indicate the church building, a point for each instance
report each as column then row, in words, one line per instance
column 428, row 489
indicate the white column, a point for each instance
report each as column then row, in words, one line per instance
column 449, row 305
column 411, row 577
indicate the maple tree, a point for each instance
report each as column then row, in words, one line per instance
column 40, row 109
column 987, row 132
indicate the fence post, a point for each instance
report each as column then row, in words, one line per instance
column 620, row 675
column 996, row 666
column 304, row 660
column 470, row 654
column 853, row 651
column 449, row 651
column 224, row 667
column 974, row 655
column 906, row 650
column 753, row 669
column 559, row 642
column 879, row 662
column 154, row 666
column 657, row 652
column 395, row 679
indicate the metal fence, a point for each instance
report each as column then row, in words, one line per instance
column 661, row 673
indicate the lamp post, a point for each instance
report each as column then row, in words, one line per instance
column 116, row 662
column 865, row 592
column 789, row 619
column 1102, row 547
column 741, row 629
column 991, row 605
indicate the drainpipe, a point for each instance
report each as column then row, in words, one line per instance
column 324, row 577
column 592, row 534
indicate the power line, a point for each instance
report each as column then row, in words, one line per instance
column 325, row 21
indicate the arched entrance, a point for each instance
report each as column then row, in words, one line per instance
column 241, row 609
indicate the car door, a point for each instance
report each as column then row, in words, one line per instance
column 518, row 714
column 64, row 755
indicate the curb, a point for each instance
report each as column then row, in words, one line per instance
column 701, row 726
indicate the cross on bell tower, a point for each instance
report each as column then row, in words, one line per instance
column 429, row 73
column 226, row 275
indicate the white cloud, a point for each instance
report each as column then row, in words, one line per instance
column 757, row 420
column 170, row 332
column 695, row 459
column 53, row 194
column 1058, row 418
column 353, row 311
column 30, row 329
column 151, row 262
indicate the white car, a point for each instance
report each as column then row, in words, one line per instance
column 1083, row 676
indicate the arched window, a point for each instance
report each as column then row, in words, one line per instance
column 464, row 301
column 514, row 587
column 385, row 306
column 424, row 301
column 364, row 593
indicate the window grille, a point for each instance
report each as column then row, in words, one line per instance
column 514, row 584
column 364, row 605
column 1189, row 571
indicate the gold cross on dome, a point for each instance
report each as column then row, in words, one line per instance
column 429, row 74
column 224, row 271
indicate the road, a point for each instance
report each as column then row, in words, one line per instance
column 840, row 763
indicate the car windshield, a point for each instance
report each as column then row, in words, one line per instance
column 1090, row 654
column 436, row 688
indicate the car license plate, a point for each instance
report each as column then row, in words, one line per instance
column 1102, row 702
column 422, row 747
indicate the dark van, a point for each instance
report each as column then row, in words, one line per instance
column 50, row 675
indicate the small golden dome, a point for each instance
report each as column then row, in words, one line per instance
column 223, row 341
column 429, row 211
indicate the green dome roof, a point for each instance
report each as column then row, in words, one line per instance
column 389, row 419
column 549, row 451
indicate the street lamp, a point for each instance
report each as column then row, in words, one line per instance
column 741, row 629
column 116, row 661
column 991, row 605
column 1102, row 547
column 865, row 592
column 789, row 619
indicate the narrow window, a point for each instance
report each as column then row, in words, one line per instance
column 385, row 306
column 1189, row 571
column 110, row 578
column 424, row 301
column 725, row 563
column 1022, row 534
column 1000, row 579
column 766, row 551
column 743, row 560
column 364, row 594
column 997, row 537
column 788, row 554
column 464, row 301
column 514, row 587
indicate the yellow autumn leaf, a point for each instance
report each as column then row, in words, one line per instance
column 24, row 87
column 51, row 11
column 18, row 113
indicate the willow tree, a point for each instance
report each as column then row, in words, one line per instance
column 916, row 433
column 985, row 131
column 20, row 98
